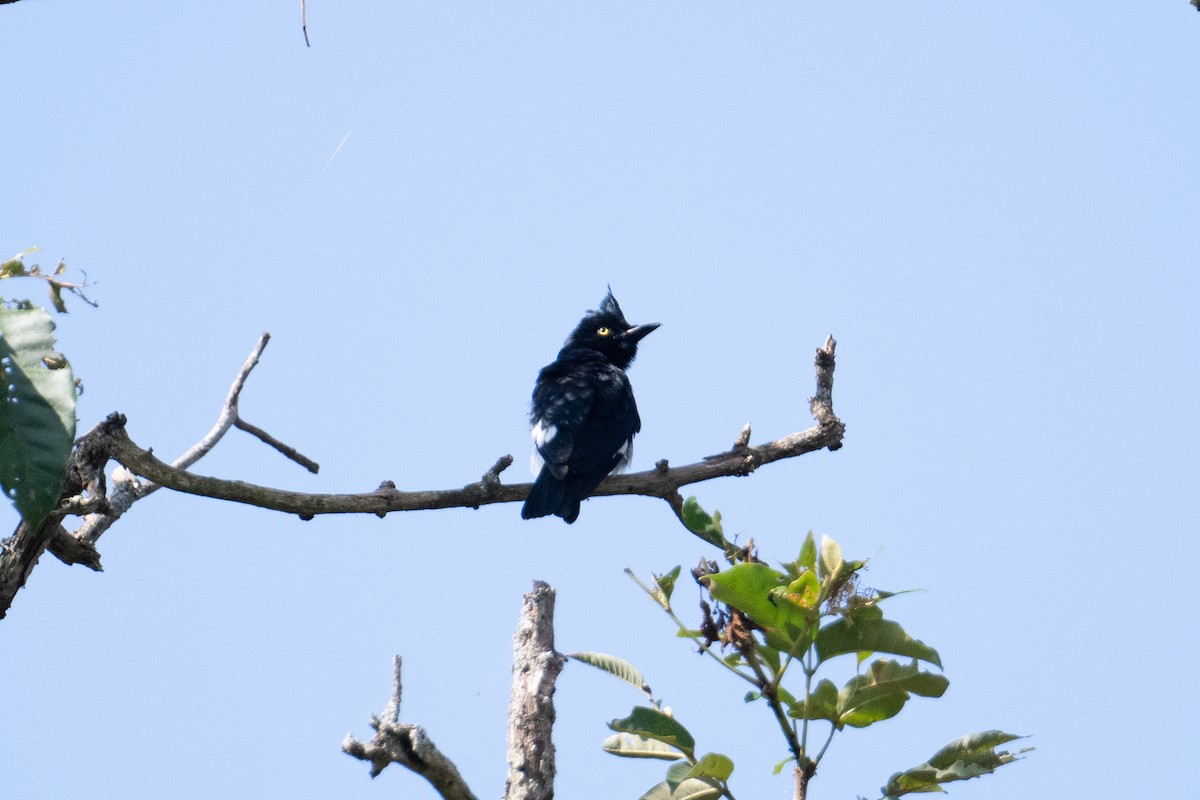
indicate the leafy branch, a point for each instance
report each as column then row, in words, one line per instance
column 762, row 624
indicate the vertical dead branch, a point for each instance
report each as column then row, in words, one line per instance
column 531, row 710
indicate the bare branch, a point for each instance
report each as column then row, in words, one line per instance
column 85, row 492
column 129, row 488
column 531, row 708
column 395, row 742
column 663, row 481
column 286, row 450
column 143, row 473
column 228, row 416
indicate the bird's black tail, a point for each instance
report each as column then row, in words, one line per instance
column 550, row 496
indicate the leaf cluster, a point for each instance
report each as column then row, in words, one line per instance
column 777, row 628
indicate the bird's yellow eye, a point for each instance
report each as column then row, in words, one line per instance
column 603, row 331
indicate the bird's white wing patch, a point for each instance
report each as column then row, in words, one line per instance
column 624, row 455
column 543, row 434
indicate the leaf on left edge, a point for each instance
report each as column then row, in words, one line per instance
column 37, row 413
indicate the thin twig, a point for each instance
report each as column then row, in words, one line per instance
column 286, row 450
column 228, row 415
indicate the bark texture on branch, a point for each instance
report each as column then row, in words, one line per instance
column 536, row 666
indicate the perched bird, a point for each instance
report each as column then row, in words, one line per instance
column 583, row 414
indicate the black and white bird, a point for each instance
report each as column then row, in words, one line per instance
column 584, row 415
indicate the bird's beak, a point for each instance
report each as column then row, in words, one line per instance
column 639, row 332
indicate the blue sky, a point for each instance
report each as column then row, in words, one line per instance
column 992, row 207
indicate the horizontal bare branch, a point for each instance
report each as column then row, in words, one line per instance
column 143, row 473
column 663, row 481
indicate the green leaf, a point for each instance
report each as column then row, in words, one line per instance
column 697, row 520
column 713, row 766
column 969, row 757
column 628, row 745
column 805, row 591
column 13, row 268
column 808, row 552
column 56, row 298
column 615, row 666
column 748, row 587
column 863, row 712
column 37, row 414
column 760, row 592
column 861, row 633
column 831, row 557
column 678, row 772
column 691, row 789
column 883, row 690
column 821, row 704
column 654, row 724
column 785, row 696
column 770, row 655
column 972, row 744
column 666, row 584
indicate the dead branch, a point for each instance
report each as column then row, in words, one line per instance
column 536, row 666
column 396, row 742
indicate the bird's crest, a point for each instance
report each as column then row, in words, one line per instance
column 609, row 305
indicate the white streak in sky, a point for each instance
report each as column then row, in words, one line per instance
column 336, row 150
